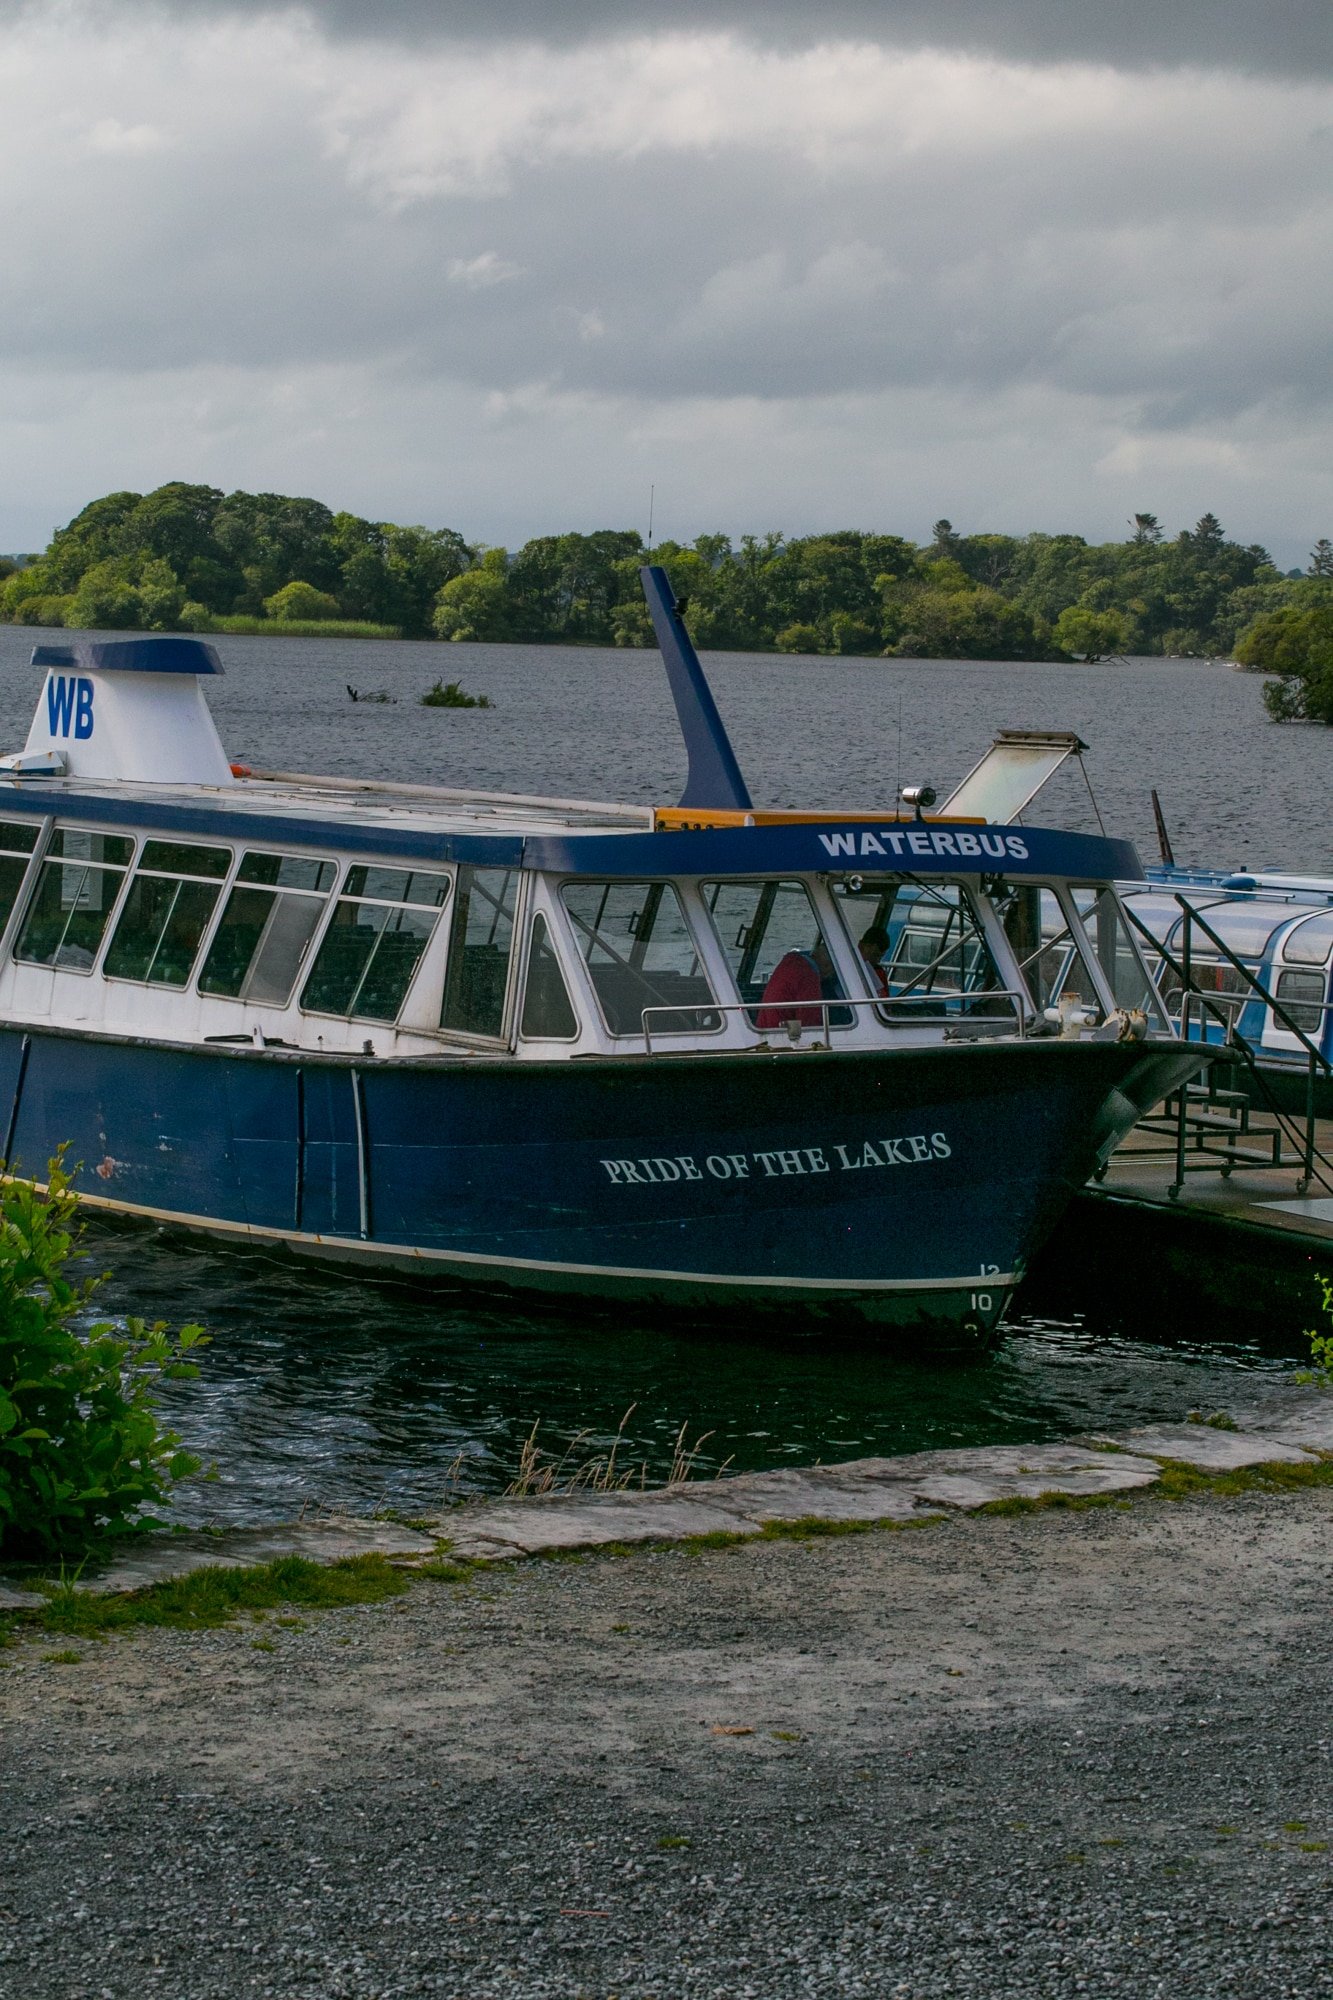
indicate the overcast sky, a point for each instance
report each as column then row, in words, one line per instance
column 502, row 265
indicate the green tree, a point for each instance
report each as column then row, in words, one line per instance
column 476, row 604
column 1321, row 558
column 1295, row 643
column 300, row 600
column 1081, row 629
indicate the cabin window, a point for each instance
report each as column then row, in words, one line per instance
column 481, row 939
column 868, row 914
column 1121, row 959
column 777, row 951
column 1228, row 988
column 16, row 844
column 1048, row 954
column 76, row 892
column 548, row 1014
column 1302, row 996
column 381, row 924
column 271, row 915
column 939, row 958
column 640, row 956
column 171, row 899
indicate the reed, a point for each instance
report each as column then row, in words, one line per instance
column 299, row 628
column 544, row 1474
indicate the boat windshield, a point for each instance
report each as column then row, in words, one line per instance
column 641, row 958
column 777, row 951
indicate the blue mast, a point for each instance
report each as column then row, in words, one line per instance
column 713, row 779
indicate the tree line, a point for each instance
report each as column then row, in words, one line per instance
column 189, row 557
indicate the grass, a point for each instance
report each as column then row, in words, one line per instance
column 216, row 1596
column 301, row 628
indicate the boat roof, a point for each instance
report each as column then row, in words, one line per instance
column 565, row 837
column 123, row 738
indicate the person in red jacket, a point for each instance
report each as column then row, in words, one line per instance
column 799, row 976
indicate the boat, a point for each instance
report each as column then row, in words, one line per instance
column 804, row 1066
column 1253, row 951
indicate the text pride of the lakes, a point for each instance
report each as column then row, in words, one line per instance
column 915, row 1150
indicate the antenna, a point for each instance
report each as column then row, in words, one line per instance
column 898, row 781
column 652, row 491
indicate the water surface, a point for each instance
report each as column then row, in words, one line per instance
column 321, row 1390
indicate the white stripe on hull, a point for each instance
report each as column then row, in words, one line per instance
column 473, row 1264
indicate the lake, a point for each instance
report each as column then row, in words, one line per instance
column 333, row 1391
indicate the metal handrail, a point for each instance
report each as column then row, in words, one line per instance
column 799, row 1008
column 1192, row 916
column 1224, row 1007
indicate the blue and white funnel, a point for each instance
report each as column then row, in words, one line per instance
column 131, row 709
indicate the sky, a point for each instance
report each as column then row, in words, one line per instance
column 509, row 266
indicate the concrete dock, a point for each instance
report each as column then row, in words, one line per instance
column 1235, row 1246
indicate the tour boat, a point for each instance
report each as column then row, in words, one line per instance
column 805, row 1064
column 1259, row 946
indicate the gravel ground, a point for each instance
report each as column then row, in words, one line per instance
column 1046, row 1755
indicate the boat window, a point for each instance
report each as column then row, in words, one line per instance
column 271, row 915
column 939, row 952
column 171, row 898
column 868, row 914
column 1214, row 977
column 480, row 942
column 1050, row 959
column 640, row 955
column 1111, row 938
column 1311, row 943
column 777, row 951
column 381, row 925
column 548, row 1015
column 16, row 844
column 1302, row 995
column 76, row 892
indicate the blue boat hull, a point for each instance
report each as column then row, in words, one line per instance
column 904, row 1187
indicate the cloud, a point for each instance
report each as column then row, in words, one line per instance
column 757, row 263
column 478, row 274
column 1279, row 38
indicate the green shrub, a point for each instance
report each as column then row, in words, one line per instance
column 81, row 1450
column 452, row 694
column 303, row 601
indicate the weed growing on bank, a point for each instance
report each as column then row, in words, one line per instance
column 1321, row 1344
column 82, row 1451
column 217, row 1595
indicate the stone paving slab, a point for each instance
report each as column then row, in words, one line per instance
column 327, row 1540
column 909, row 1488
column 583, row 1521
column 974, row 1476
column 1310, row 1425
column 1211, row 1450
column 814, row 1493
column 19, row 1600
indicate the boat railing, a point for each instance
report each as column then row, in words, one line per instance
column 796, row 1014
column 1225, row 1010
